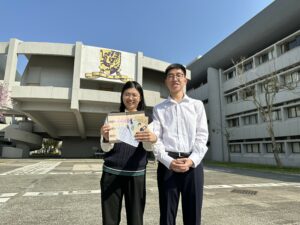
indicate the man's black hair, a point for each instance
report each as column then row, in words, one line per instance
column 175, row 66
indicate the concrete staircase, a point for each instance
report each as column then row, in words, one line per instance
column 21, row 138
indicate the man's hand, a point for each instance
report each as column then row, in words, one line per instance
column 181, row 165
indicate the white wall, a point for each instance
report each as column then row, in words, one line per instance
column 2, row 66
column 49, row 71
column 155, row 81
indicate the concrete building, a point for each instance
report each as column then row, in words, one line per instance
column 268, row 45
column 67, row 90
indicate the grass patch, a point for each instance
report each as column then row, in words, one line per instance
column 265, row 168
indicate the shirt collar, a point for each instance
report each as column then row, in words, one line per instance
column 184, row 99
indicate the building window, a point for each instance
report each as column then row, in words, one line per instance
column 230, row 75
column 269, row 148
column 294, row 111
column 235, row 148
column 248, row 66
column 269, row 86
column 265, row 57
column 233, row 122
column 295, row 147
column 252, row 148
column 291, row 78
column 232, row 98
column 276, row 115
column 290, row 45
column 244, row 66
column 248, row 92
column 248, row 120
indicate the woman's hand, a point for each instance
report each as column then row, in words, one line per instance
column 145, row 136
column 105, row 131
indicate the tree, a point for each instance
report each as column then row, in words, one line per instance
column 224, row 132
column 5, row 100
column 271, row 86
column 49, row 145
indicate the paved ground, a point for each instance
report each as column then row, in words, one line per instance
column 58, row 191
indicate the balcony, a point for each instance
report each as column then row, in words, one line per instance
column 283, row 61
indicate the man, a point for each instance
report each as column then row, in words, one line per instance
column 181, row 128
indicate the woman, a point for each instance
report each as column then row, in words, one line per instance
column 125, row 166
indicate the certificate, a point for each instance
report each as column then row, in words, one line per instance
column 125, row 125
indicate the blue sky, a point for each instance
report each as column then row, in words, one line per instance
column 169, row 30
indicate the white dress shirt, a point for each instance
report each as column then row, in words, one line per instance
column 180, row 127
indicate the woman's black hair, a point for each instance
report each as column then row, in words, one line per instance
column 133, row 84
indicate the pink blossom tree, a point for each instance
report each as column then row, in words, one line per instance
column 5, row 99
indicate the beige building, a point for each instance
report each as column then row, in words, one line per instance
column 67, row 90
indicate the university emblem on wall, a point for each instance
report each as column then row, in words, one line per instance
column 110, row 66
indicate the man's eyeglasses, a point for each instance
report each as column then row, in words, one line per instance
column 172, row 76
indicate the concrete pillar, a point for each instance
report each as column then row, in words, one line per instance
column 76, row 75
column 76, row 88
column 216, row 118
column 139, row 68
column 11, row 62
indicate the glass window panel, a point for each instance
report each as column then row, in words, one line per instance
column 229, row 100
column 295, row 77
column 292, row 44
column 280, row 147
column 263, row 58
column 262, row 88
column 237, row 148
column 246, row 120
column 291, row 112
column 279, row 114
column 275, row 115
column 254, row 119
column 288, row 79
column 234, row 97
column 282, row 48
column 269, row 148
column 296, row 147
column 249, row 149
column 270, row 55
column 248, row 66
column 298, row 111
column 255, row 148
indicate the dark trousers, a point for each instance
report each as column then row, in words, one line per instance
column 113, row 188
column 171, row 185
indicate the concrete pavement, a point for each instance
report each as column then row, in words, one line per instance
column 66, row 191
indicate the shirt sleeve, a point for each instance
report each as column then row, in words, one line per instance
column 106, row 146
column 199, row 148
column 159, row 148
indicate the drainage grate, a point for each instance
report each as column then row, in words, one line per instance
column 245, row 192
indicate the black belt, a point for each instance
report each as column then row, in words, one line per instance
column 176, row 155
